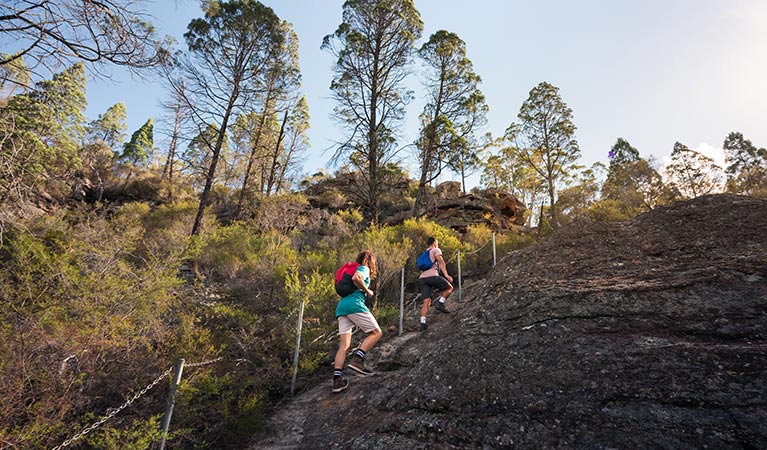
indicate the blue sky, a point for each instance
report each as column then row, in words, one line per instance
column 650, row 71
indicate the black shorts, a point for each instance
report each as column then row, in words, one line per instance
column 430, row 284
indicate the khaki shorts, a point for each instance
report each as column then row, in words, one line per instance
column 365, row 321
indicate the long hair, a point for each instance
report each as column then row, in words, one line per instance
column 367, row 258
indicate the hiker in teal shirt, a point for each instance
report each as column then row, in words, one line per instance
column 351, row 311
column 355, row 302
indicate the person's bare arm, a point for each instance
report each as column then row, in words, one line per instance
column 443, row 267
column 360, row 283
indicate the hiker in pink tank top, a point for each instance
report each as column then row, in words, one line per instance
column 431, row 281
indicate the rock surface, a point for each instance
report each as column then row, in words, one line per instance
column 645, row 334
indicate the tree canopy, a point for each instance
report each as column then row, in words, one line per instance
column 373, row 47
column 546, row 134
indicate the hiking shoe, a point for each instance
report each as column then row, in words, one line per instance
column 339, row 384
column 424, row 326
column 440, row 306
column 358, row 365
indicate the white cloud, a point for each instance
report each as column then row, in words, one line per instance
column 715, row 153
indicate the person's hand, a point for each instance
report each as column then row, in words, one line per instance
column 369, row 293
column 449, row 278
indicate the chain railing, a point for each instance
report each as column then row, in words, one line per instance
column 130, row 401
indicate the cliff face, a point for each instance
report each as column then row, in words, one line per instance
column 645, row 334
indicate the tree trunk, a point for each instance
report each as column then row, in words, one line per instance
column 168, row 169
column 272, row 181
column 205, row 196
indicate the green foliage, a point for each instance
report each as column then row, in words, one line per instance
column 632, row 188
column 87, row 314
column 138, row 150
column 509, row 170
column 373, row 46
column 40, row 135
column 225, row 409
column 746, row 166
column 621, row 153
column 455, row 109
column 139, row 435
column 546, row 135
column 110, row 127
column 574, row 201
column 692, row 173
column 237, row 251
column 608, row 210
column 477, row 248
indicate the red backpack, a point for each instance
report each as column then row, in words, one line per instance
column 343, row 278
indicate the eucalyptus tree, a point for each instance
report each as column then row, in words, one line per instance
column 14, row 79
column 509, row 170
column 229, row 51
column 174, row 119
column 281, row 84
column 581, row 193
column 692, row 173
column 110, row 127
column 373, row 47
column 197, row 156
column 52, row 33
column 633, row 183
column 138, row 149
column 41, row 133
column 622, row 152
column 292, row 142
column 746, row 166
column 104, row 135
column 455, row 108
column 547, row 138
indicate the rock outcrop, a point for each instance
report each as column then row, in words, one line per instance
column 446, row 204
column 646, row 334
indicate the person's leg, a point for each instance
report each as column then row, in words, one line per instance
column 367, row 323
column 371, row 340
column 343, row 347
column 425, row 307
column 445, row 290
column 344, row 342
column 426, row 296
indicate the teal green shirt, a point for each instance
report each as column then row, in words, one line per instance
column 355, row 302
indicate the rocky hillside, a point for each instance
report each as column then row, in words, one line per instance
column 645, row 334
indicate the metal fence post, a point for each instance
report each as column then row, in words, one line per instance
column 177, row 369
column 401, row 301
column 460, row 290
column 298, row 346
column 493, row 248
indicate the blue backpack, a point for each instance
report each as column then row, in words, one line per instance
column 424, row 262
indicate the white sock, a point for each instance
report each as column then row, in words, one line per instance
column 423, row 319
column 441, row 299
